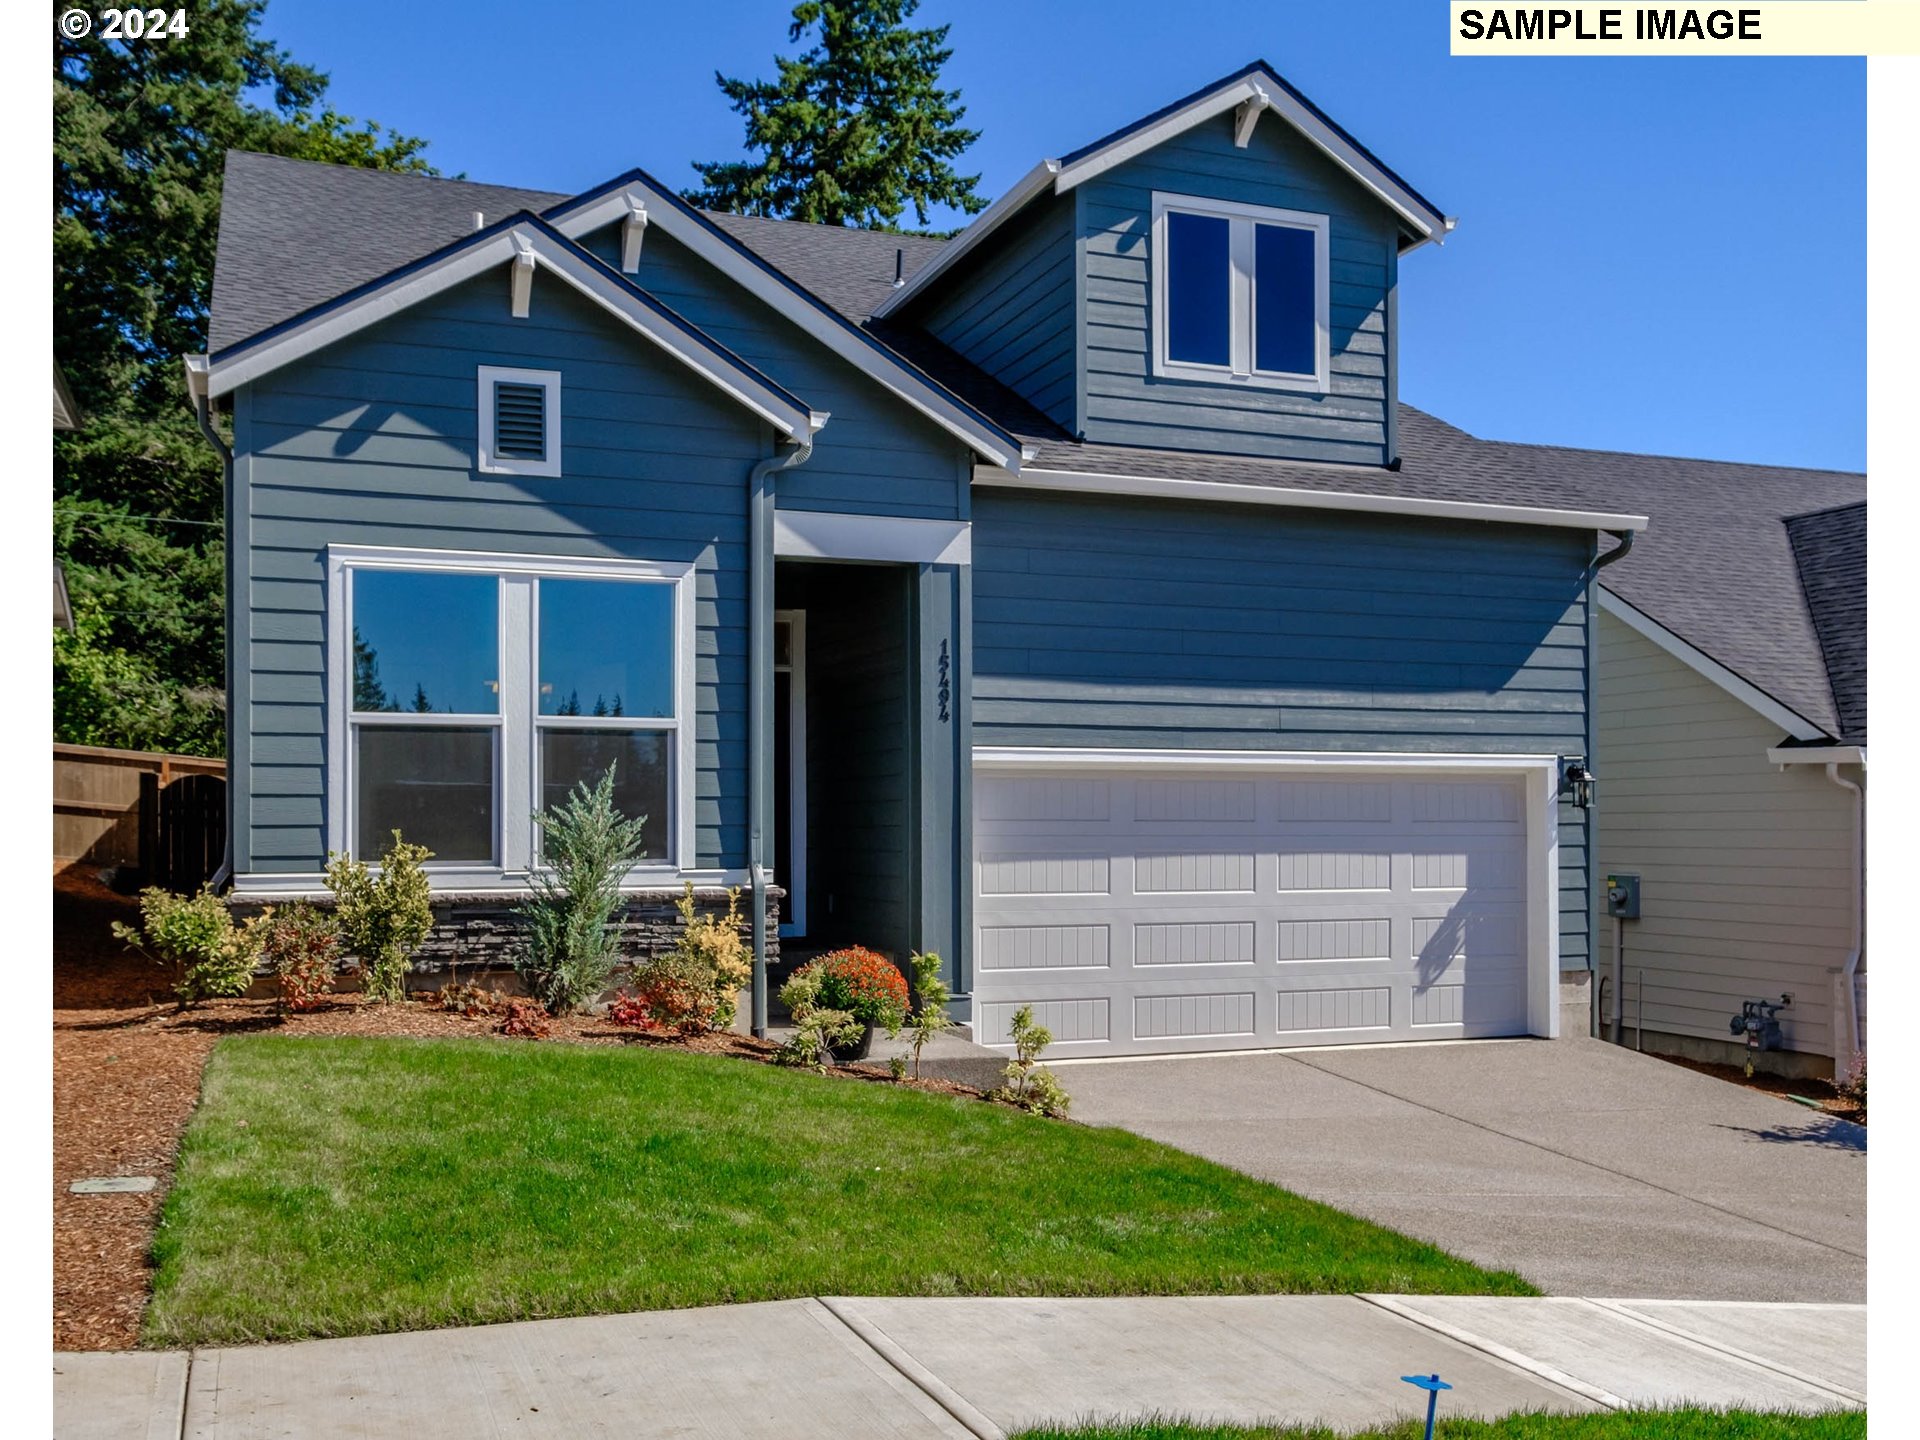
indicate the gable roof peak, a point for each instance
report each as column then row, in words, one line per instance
column 1254, row 90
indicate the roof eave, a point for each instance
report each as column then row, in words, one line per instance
column 788, row 297
column 502, row 244
column 1229, row 492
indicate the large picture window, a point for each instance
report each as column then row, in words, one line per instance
column 471, row 689
column 1240, row 294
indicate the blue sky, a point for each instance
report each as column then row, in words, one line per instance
column 1659, row 255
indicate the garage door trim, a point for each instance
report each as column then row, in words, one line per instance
column 1540, row 775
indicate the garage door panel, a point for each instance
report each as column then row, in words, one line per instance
column 1148, row 912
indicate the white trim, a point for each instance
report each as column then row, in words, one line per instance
column 840, row 336
column 700, row 354
column 1421, row 218
column 1540, row 772
column 1242, row 294
column 517, row 724
column 1703, row 664
column 1028, row 186
column 795, row 868
column 1427, row 223
column 1095, row 483
column 548, row 381
column 831, row 535
column 1817, row 755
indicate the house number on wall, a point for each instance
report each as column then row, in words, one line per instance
column 946, row 683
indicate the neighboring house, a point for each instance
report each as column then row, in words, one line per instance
column 1733, row 745
column 66, row 416
column 1074, row 597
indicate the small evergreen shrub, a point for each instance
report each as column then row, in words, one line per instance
column 818, row 1028
column 301, row 945
column 930, row 1016
column 194, row 936
column 714, row 943
column 864, row 984
column 1027, row 1085
column 669, row 992
column 383, row 918
column 572, row 945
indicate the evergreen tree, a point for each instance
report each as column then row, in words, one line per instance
column 141, row 132
column 853, row 130
column 368, row 692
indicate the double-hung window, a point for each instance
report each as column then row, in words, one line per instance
column 1240, row 294
column 467, row 690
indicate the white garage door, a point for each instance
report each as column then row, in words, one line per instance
column 1159, row 910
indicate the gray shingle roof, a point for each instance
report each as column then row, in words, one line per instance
column 296, row 233
column 1830, row 551
column 1717, row 567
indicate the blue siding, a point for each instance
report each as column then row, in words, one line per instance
column 1108, row 622
column 1125, row 404
column 372, row 441
column 877, row 456
column 1011, row 311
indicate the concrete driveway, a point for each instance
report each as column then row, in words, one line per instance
column 1588, row 1169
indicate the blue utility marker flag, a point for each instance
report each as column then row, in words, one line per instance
column 1427, row 1382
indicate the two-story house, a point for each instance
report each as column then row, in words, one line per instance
column 1073, row 597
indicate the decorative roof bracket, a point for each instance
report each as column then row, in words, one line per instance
column 632, row 233
column 523, row 263
column 1248, row 115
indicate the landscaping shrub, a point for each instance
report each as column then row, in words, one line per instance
column 930, row 1016
column 383, row 918
column 586, row 849
column 715, row 942
column 526, row 1020
column 194, row 935
column 669, row 992
column 1027, row 1084
column 302, row 947
column 864, row 984
column 818, row 1028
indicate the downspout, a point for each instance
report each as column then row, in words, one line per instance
column 760, row 700
column 1851, row 967
column 196, row 366
column 1600, row 562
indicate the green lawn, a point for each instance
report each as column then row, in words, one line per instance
column 346, row 1186
column 1617, row 1425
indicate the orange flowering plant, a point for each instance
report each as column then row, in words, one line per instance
column 865, row 984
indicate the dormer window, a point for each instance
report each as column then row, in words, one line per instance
column 1240, row 294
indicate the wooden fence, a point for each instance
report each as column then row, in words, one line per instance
column 163, row 815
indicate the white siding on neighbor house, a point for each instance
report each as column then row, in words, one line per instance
column 1745, row 867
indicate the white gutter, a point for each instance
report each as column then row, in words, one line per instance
column 1849, row 1004
column 1817, row 755
column 1156, row 487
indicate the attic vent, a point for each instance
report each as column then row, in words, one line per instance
column 519, row 421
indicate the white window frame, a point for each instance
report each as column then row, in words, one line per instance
column 549, row 381
column 794, row 913
column 1242, row 348
column 516, row 746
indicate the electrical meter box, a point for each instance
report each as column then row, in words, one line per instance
column 1623, row 897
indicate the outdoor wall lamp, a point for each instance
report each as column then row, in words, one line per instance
column 1576, row 782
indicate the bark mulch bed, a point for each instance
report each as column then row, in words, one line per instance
column 126, row 1075
column 1830, row 1101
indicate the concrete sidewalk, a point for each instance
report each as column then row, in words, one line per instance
column 983, row 1368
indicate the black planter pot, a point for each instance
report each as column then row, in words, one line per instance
column 858, row 1048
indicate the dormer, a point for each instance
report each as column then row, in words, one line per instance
column 1217, row 277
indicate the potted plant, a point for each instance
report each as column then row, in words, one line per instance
column 864, row 984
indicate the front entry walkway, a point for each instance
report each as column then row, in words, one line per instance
column 902, row 1369
column 1587, row 1168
